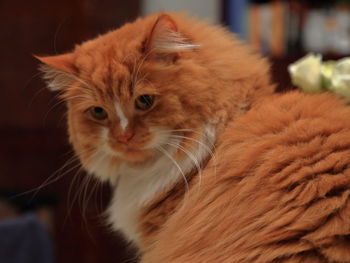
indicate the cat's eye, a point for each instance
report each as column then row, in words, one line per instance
column 144, row 102
column 98, row 113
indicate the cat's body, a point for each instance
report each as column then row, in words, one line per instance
column 279, row 192
column 207, row 165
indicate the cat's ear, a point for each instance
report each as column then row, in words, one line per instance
column 58, row 70
column 165, row 42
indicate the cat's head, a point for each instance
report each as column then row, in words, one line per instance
column 132, row 91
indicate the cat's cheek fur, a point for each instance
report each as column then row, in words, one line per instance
column 161, row 136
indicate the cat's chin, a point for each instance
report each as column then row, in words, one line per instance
column 108, row 167
column 131, row 154
column 137, row 157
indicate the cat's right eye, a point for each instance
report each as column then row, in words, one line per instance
column 98, row 113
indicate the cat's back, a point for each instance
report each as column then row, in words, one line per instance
column 278, row 190
column 292, row 125
column 292, row 112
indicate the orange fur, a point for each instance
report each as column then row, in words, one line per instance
column 276, row 187
column 280, row 192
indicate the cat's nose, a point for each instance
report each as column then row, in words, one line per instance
column 125, row 136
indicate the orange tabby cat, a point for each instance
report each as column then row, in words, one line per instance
column 207, row 164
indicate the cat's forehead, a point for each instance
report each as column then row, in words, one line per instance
column 110, row 67
column 108, row 53
column 117, row 62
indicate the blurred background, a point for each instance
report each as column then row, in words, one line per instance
column 38, row 176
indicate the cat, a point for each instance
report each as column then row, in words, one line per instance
column 206, row 162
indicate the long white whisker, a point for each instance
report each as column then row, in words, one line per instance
column 162, row 150
column 192, row 157
column 184, row 138
column 194, row 140
column 213, row 156
column 183, row 130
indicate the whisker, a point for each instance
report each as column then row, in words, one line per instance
column 75, row 97
column 136, row 74
column 207, row 148
column 83, row 200
column 101, row 197
column 30, row 79
column 192, row 157
column 184, row 138
column 194, row 140
column 140, row 80
column 214, row 158
column 75, row 177
column 69, row 200
column 183, row 130
column 51, row 179
column 162, row 150
column 85, row 90
column 35, row 95
column 51, row 109
column 133, row 70
column 144, row 78
column 63, row 117
column 86, row 85
column 92, row 190
column 98, row 200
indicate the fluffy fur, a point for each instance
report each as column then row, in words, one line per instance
column 280, row 192
column 217, row 169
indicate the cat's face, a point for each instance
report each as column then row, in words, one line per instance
column 131, row 94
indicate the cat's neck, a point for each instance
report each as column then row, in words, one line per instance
column 137, row 187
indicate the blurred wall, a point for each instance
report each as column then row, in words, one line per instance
column 205, row 9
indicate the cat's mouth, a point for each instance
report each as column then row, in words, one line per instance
column 141, row 148
column 129, row 152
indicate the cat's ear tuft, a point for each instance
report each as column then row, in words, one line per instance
column 58, row 70
column 63, row 62
column 165, row 41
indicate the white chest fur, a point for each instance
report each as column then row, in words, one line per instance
column 137, row 187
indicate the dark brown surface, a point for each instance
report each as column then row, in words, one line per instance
column 33, row 142
column 279, row 71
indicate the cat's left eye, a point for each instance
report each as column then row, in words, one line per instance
column 144, row 102
column 98, row 113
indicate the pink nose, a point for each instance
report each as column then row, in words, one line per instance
column 126, row 136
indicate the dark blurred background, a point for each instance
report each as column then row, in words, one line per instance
column 34, row 150
column 33, row 143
